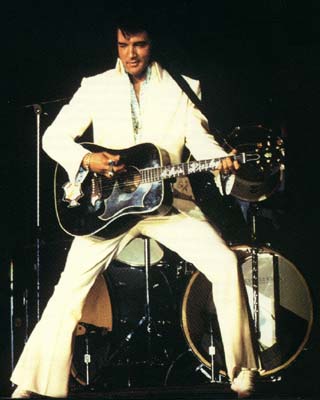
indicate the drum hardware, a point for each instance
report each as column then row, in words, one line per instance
column 90, row 338
column 255, row 291
column 253, row 209
column 184, row 269
column 186, row 369
column 87, row 360
column 203, row 370
column 212, row 352
column 122, row 346
column 87, row 331
column 146, row 320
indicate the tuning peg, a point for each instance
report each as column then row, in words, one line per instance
column 279, row 141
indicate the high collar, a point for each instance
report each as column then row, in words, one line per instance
column 156, row 69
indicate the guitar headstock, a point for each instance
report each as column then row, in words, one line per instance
column 262, row 172
column 270, row 152
column 265, row 152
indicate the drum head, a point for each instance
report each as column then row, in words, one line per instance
column 257, row 180
column 285, row 311
column 133, row 253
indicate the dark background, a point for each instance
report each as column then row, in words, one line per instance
column 258, row 62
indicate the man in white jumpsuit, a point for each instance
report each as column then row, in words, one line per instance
column 136, row 102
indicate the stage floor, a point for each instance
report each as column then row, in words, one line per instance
column 212, row 391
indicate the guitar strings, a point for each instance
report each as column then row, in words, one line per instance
column 142, row 178
column 109, row 183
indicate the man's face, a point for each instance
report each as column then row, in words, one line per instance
column 134, row 51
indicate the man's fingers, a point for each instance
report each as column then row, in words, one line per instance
column 236, row 165
column 118, row 168
column 112, row 158
column 228, row 164
column 110, row 164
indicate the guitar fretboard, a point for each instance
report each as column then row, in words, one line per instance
column 172, row 171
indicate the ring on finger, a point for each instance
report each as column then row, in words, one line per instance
column 110, row 174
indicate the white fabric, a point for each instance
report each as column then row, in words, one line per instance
column 169, row 121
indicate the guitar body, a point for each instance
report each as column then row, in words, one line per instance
column 107, row 207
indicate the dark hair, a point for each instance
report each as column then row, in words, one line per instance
column 130, row 21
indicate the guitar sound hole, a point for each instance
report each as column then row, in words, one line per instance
column 130, row 180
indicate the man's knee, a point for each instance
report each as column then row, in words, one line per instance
column 222, row 263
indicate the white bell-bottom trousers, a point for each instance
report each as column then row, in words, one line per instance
column 44, row 365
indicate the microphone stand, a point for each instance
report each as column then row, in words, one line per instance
column 38, row 111
column 12, row 341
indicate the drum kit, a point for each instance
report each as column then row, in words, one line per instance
column 150, row 319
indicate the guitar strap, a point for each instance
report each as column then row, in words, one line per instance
column 185, row 87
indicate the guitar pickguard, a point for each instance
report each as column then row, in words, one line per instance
column 121, row 202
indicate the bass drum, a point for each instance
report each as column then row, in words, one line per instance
column 285, row 311
column 113, row 329
column 257, row 180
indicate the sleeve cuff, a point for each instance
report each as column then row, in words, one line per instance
column 225, row 186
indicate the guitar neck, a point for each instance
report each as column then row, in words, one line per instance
column 183, row 169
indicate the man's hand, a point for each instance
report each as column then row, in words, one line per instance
column 228, row 165
column 104, row 163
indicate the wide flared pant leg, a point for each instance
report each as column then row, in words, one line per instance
column 197, row 242
column 44, row 365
